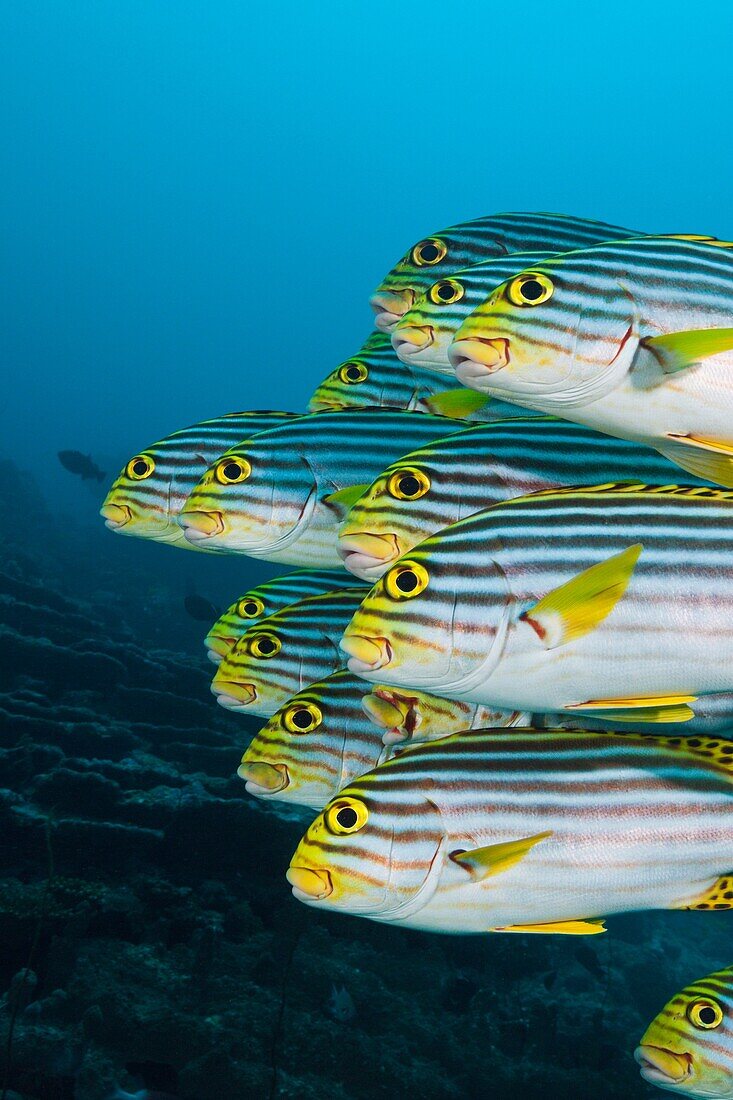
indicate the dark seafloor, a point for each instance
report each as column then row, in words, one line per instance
column 148, row 939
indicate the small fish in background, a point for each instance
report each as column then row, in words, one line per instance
column 688, row 1047
column 81, row 465
column 200, row 609
column 340, row 1006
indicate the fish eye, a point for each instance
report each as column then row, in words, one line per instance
column 446, row 293
column 302, row 718
column 140, row 467
column 530, row 289
column 705, row 1014
column 408, row 484
column 352, row 373
column 429, row 252
column 406, row 580
column 230, row 471
column 250, row 607
column 345, row 816
column 265, row 645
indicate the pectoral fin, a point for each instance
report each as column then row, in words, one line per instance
column 660, row 708
column 707, row 458
column 577, row 607
column 562, row 928
column 344, row 499
column 456, row 403
column 495, row 858
column 676, row 351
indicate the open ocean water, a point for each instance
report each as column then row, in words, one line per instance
column 197, row 200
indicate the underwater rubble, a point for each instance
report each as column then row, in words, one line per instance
column 149, row 943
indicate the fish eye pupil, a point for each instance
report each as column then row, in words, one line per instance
column 353, row 373
column 707, row 1015
column 406, row 581
column 445, row 292
column 232, row 470
column 266, row 646
column 531, row 290
column 140, row 467
column 429, row 253
column 409, row 485
column 250, row 608
column 347, row 817
column 302, row 719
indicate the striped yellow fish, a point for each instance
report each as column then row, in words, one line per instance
column 525, row 831
column 282, row 654
column 150, row 491
column 688, row 1047
column 282, row 495
column 267, row 598
column 472, row 242
column 634, row 338
column 454, row 478
column 611, row 600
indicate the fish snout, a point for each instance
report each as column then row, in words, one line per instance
column 368, row 555
column 390, row 306
column 115, row 515
column 217, row 647
column 390, row 711
column 233, row 695
column 263, row 778
column 409, row 340
column 198, row 526
column 366, row 654
column 473, row 359
column 309, row 883
column 661, row 1066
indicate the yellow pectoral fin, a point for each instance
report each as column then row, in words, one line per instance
column 456, row 403
column 719, row 896
column 660, row 708
column 494, row 858
column 702, row 457
column 577, row 607
column 343, row 499
column 562, row 928
column 676, row 351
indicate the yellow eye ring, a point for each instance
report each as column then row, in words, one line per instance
column 406, row 580
column 302, row 718
column 265, row 645
column 531, row 288
column 410, row 483
column 345, row 816
column 250, row 607
column 140, row 467
column 232, row 470
column 353, row 372
column 705, row 1014
column 446, row 293
column 429, row 252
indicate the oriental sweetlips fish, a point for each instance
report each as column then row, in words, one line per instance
column 473, row 242
column 265, row 600
column 375, row 378
column 280, row 655
column 282, row 495
column 611, row 600
column 634, row 338
column 456, row 477
column 528, row 831
column 150, row 491
column 688, row 1047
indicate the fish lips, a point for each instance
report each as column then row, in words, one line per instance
column 390, row 306
column 366, row 655
column 476, row 359
column 367, row 555
column 115, row 515
column 663, row 1067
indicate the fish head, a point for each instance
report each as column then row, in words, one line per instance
column 408, row 715
column 317, row 742
column 401, row 508
column 423, row 335
column 374, row 851
column 549, row 337
column 432, row 621
column 372, row 377
column 688, row 1047
column 258, row 498
column 236, row 620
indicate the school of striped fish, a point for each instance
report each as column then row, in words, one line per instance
column 501, row 671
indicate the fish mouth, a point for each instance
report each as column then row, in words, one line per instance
column 233, row 695
column 262, row 778
column 364, row 553
column 366, row 654
column 390, row 306
column 309, row 883
column 198, row 526
column 474, row 358
column 396, row 714
column 217, row 647
column 115, row 515
column 409, row 340
column 321, row 405
column 661, row 1066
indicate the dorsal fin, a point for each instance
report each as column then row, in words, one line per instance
column 621, row 488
